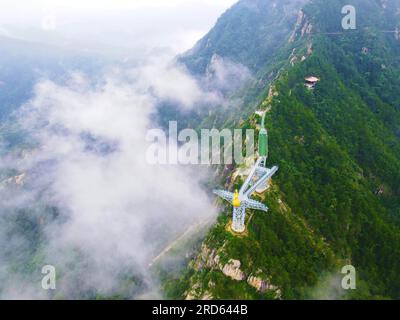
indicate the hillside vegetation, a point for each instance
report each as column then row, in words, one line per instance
column 336, row 198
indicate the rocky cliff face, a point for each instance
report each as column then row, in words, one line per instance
column 18, row 180
column 210, row 260
column 261, row 28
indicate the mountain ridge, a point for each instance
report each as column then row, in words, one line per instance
column 336, row 198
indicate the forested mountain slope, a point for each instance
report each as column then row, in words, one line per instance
column 336, row 198
column 249, row 33
column 252, row 37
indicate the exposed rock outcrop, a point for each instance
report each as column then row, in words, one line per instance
column 207, row 259
column 263, row 286
column 301, row 28
column 299, row 22
column 207, row 296
column 194, row 292
column 232, row 270
column 18, row 180
column 211, row 259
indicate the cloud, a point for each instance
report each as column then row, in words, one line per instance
column 170, row 82
column 225, row 75
column 136, row 24
column 329, row 287
column 90, row 203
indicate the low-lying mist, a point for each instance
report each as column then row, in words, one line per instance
column 79, row 194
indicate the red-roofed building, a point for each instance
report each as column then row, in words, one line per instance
column 311, row 82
